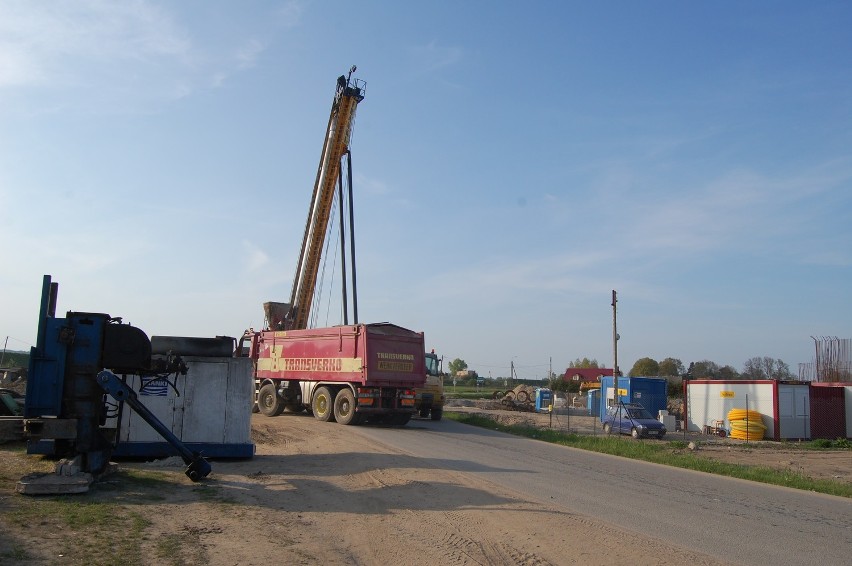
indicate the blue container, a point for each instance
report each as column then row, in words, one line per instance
column 594, row 402
column 650, row 392
column 543, row 399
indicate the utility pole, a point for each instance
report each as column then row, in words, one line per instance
column 3, row 357
column 614, row 349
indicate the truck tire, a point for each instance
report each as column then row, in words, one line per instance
column 344, row 407
column 437, row 413
column 323, row 405
column 268, row 401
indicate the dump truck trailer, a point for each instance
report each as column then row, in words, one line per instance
column 349, row 373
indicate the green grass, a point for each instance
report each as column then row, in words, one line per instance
column 112, row 510
column 467, row 391
column 668, row 453
column 824, row 443
column 82, row 524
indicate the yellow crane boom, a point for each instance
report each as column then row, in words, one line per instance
column 348, row 94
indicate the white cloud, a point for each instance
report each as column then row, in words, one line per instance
column 255, row 257
column 736, row 211
column 431, row 57
column 39, row 41
column 248, row 53
column 370, row 186
column 17, row 66
column 290, row 14
column 503, row 280
column 830, row 258
column 115, row 56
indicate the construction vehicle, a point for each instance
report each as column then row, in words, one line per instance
column 350, row 373
column 66, row 404
column 429, row 400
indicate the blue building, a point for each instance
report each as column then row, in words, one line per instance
column 650, row 392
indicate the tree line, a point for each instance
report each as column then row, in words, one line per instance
column 753, row 368
column 14, row 359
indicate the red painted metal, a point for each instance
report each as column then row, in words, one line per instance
column 828, row 411
column 369, row 355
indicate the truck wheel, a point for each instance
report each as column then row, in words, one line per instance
column 268, row 401
column 323, row 405
column 344, row 407
column 437, row 414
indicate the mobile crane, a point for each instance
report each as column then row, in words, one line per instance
column 348, row 373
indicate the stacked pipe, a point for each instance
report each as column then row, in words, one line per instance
column 746, row 424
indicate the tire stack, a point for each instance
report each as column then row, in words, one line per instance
column 521, row 398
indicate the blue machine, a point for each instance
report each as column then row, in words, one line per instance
column 72, row 368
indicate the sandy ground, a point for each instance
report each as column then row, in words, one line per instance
column 324, row 497
column 317, row 494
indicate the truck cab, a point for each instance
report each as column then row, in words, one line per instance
column 429, row 399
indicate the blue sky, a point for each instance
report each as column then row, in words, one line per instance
column 514, row 163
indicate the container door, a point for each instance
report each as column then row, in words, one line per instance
column 159, row 398
column 794, row 411
column 205, row 403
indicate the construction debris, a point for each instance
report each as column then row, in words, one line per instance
column 521, row 398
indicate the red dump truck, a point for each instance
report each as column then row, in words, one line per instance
column 349, row 373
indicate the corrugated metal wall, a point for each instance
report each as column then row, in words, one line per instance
column 828, row 412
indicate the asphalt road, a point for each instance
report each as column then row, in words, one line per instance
column 732, row 520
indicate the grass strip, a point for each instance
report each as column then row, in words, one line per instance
column 669, row 453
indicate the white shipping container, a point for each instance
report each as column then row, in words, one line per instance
column 784, row 406
column 209, row 409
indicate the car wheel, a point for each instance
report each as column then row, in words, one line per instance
column 634, row 432
column 607, row 428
